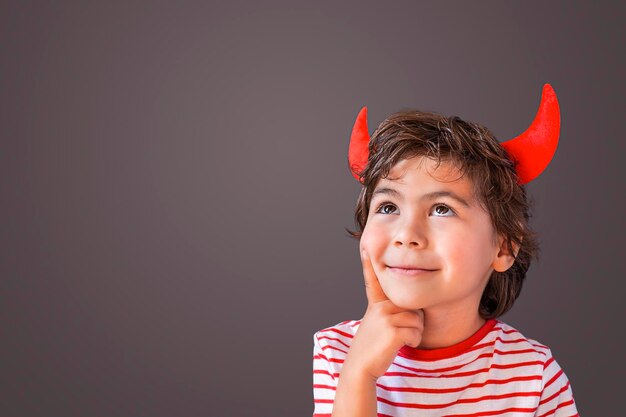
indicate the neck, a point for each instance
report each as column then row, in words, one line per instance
column 447, row 328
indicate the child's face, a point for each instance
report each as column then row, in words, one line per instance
column 455, row 245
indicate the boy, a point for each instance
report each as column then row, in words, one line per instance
column 445, row 245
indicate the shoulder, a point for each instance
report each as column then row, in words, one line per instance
column 509, row 338
column 337, row 337
column 333, row 342
column 513, row 354
column 511, row 342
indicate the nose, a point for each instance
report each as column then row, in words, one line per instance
column 411, row 233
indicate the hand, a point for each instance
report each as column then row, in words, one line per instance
column 384, row 329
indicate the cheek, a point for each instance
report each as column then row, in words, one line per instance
column 463, row 259
column 468, row 252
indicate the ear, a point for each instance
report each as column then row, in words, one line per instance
column 504, row 259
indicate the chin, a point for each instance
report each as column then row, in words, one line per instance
column 406, row 302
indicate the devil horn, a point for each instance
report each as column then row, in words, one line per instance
column 533, row 150
column 359, row 145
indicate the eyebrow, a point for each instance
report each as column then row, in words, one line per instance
column 430, row 196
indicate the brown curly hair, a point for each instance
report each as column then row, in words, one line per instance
column 474, row 150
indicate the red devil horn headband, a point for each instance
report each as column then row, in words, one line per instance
column 531, row 151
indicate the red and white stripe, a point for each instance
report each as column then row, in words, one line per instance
column 496, row 372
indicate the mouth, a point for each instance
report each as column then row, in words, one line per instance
column 409, row 270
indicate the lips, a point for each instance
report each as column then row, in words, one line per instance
column 409, row 270
column 409, row 267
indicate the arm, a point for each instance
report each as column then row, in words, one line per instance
column 384, row 329
column 356, row 394
column 352, row 394
column 324, row 381
column 556, row 399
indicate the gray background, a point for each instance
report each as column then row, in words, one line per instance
column 175, row 189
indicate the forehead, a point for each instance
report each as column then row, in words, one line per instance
column 428, row 171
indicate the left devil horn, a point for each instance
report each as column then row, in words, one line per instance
column 358, row 151
column 533, row 150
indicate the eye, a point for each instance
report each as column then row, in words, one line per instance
column 443, row 210
column 385, row 208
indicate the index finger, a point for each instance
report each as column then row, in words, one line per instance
column 373, row 289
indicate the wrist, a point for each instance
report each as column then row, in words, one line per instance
column 357, row 374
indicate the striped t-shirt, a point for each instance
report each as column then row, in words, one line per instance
column 495, row 372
